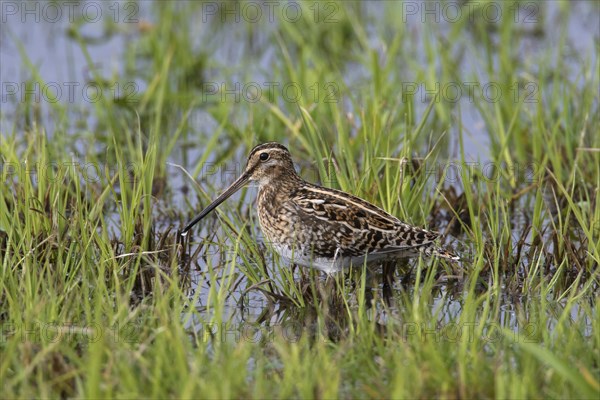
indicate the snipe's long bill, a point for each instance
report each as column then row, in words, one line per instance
column 320, row 227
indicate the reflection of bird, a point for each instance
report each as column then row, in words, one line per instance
column 321, row 227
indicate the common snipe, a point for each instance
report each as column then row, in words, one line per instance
column 320, row 227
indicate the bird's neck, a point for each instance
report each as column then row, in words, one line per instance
column 280, row 183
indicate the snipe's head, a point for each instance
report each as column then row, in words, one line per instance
column 267, row 163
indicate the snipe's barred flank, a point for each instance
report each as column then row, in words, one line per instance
column 320, row 227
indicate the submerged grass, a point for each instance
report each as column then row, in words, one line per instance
column 100, row 298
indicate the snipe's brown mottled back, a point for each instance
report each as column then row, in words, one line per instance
column 320, row 227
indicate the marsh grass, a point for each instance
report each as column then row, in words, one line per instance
column 101, row 298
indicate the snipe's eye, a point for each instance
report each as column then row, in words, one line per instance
column 264, row 156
